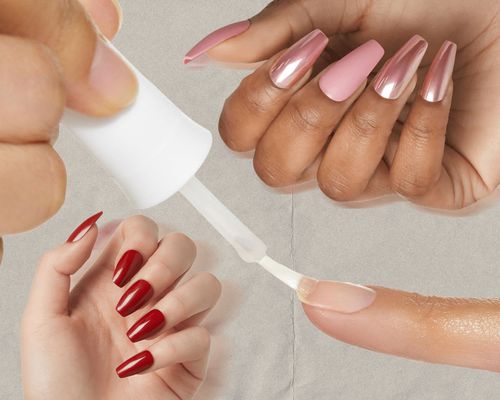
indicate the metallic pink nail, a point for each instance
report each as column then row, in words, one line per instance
column 397, row 73
column 438, row 76
column 298, row 59
column 215, row 38
column 343, row 78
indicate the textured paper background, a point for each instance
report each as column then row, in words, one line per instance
column 264, row 347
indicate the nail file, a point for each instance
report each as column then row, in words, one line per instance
column 153, row 150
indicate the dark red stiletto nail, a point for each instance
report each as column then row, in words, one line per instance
column 127, row 267
column 134, row 298
column 83, row 228
column 147, row 326
column 136, row 364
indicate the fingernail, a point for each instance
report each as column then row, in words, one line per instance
column 130, row 262
column 335, row 296
column 438, row 76
column 298, row 59
column 134, row 298
column 397, row 72
column 147, row 326
column 342, row 78
column 214, row 38
column 111, row 78
column 135, row 365
column 83, row 228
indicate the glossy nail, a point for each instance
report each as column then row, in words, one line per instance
column 335, row 296
column 343, row 78
column 298, row 59
column 438, row 76
column 215, row 38
column 397, row 72
column 135, row 365
column 134, row 298
column 83, row 228
column 130, row 262
column 111, row 78
column 147, row 326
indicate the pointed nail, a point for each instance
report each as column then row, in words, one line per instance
column 396, row 74
column 136, row 364
column 134, row 298
column 343, row 78
column 150, row 324
column 438, row 76
column 215, row 38
column 335, row 296
column 130, row 262
column 298, row 59
column 111, row 78
column 83, row 228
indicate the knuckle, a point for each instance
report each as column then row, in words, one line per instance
column 137, row 220
column 271, row 173
column 428, row 312
column 211, row 281
column 58, row 171
column 257, row 99
column 335, row 185
column 178, row 302
column 364, row 124
column 202, row 337
column 410, row 185
column 305, row 118
column 418, row 130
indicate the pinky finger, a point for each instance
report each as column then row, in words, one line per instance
column 189, row 347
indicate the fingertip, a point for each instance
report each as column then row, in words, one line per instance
column 107, row 15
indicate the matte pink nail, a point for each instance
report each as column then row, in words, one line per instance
column 298, row 59
column 214, row 38
column 342, row 78
column 438, row 76
column 397, row 72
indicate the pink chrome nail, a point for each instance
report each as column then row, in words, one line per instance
column 397, row 72
column 298, row 59
column 342, row 78
column 335, row 296
column 214, row 38
column 438, row 76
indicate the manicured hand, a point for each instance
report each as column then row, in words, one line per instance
column 87, row 343
column 316, row 110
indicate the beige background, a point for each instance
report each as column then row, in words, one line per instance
column 264, row 346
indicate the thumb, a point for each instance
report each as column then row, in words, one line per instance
column 454, row 331
column 277, row 26
column 50, row 289
column 97, row 80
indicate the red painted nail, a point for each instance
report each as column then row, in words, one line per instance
column 83, row 228
column 147, row 326
column 127, row 267
column 134, row 298
column 136, row 364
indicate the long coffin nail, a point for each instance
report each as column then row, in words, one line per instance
column 134, row 298
column 397, row 72
column 135, row 365
column 298, row 59
column 438, row 76
column 147, row 326
column 83, row 228
column 215, row 38
column 130, row 262
column 342, row 78
column 335, row 296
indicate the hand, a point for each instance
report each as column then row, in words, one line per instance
column 52, row 57
column 72, row 341
column 386, row 139
column 454, row 331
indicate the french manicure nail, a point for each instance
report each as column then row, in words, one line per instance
column 438, row 76
column 111, row 77
column 397, row 72
column 342, row 78
column 335, row 296
column 150, row 324
column 134, row 298
column 83, row 228
column 130, row 262
column 298, row 59
column 215, row 38
column 136, row 364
